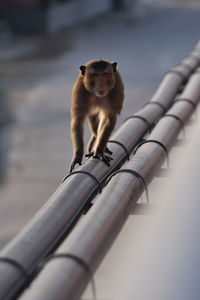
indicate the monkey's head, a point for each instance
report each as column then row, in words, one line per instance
column 99, row 77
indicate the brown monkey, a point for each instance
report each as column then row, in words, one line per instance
column 97, row 94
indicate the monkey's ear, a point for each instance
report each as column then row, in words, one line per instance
column 82, row 68
column 114, row 65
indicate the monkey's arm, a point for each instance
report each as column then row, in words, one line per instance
column 106, row 127
column 77, row 140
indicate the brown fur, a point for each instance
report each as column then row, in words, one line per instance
column 97, row 94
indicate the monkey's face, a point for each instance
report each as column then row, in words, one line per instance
column 100, row 83
column 99, row 79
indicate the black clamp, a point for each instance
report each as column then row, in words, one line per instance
column 194, row 105
column 197, row 72
column 136, row 174
column 75, row 258
column 87, row 173
column 140, row 118
column 158, row 104
column 187, row 66
column 122, row 145
column 194, row 57
column 156, row 142
column 177, row 73
column 179, row 120
column 17, row 266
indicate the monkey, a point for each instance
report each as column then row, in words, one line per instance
column 98, row 95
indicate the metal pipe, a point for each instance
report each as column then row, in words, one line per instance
column 63, row 278
column 54, row 220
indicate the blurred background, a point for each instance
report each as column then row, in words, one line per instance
column 42, row 45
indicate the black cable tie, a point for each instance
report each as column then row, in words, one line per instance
column 87, row 173
column 186, row 100
column 179, row 120
column 156, row 142
column 122, row 145
column 17, row 266
column 194, row 57
column 158, row 104
column 197, row 72
column 187, row 66
column 136, row 174
column 75, row 258
column 140, row 118
column 177, row 73
column 194, row 105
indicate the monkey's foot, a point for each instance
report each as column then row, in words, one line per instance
column 88, row 155
column 74, row 162
column 104, row 158
column 108, row 151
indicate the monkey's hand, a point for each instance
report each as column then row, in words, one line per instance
column 103, row 157
column 76, row 160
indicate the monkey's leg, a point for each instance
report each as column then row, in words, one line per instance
column 90, row 146
column 91, row 142
column 105, row 129
column 93, row 122
column 77, row 140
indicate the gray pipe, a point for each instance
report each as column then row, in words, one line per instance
column 63, row 278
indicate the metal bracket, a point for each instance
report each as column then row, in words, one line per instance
column 140, row 118
column 87, row 173
column 75, row 258
column 136, row 174
column 17, row 266
column 122, row 145
column 156, row 142
column 158, row 104
column 179, row 120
